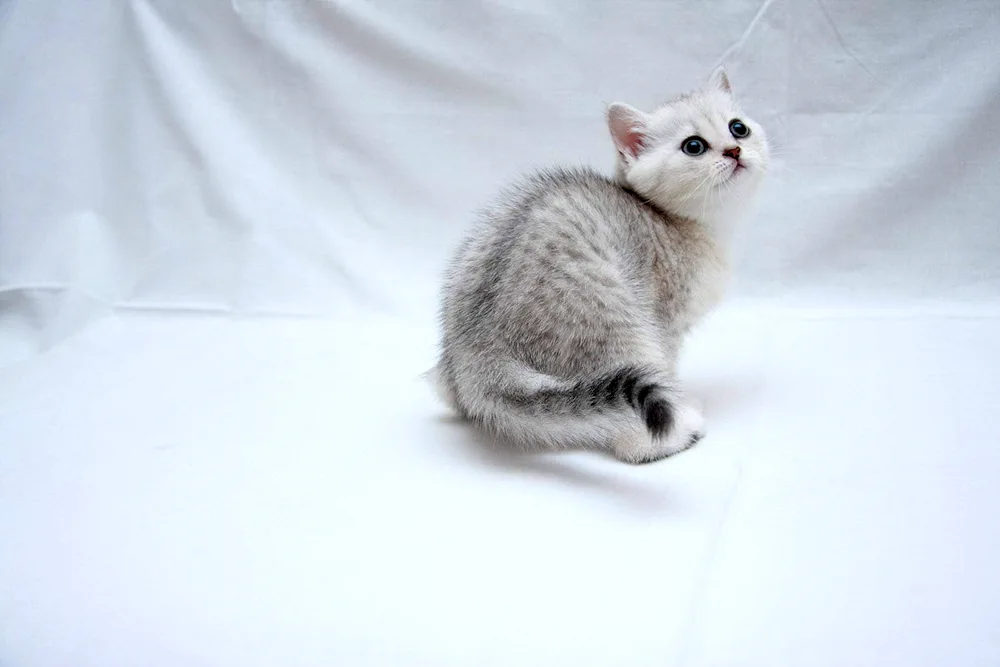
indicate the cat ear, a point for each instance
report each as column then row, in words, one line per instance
column 720, row 81
column 629, row 128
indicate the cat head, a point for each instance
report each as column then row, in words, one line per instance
column 699, row 156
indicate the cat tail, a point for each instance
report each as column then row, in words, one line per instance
column 632, row 409
column 630, row 388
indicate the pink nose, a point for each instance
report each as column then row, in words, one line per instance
column 733, row 152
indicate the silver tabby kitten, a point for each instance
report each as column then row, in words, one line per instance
column 564, row 310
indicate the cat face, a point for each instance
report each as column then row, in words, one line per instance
column 699, row 156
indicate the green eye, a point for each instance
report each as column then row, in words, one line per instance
column 694, row 146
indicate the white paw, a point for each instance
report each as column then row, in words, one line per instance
column 687, row 429
column 639, row 446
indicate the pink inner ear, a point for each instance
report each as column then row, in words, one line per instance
column 633, row 141
column 628, row 129
column 628, row 138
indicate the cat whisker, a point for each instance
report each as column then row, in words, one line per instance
column 729, row 188
column 695, row 189
column 704, row 201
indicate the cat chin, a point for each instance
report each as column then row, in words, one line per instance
column 742, row 181
column 726, row 200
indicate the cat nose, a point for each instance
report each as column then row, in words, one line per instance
column 733, row 152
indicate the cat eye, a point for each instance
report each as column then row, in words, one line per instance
column 738, row 128
column 694, row 146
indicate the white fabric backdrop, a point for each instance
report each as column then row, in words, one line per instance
column 304, row 156
column 179, row 488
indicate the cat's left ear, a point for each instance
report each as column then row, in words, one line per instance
column 720, row 81
column 629, row 128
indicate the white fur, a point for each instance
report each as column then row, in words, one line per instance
column 702, row 187
column 570, row 276
column 636, row 445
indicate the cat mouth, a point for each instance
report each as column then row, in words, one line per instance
column 737, row 170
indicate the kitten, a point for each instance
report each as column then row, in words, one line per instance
column 565, row 309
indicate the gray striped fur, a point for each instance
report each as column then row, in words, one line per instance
column 564, row 309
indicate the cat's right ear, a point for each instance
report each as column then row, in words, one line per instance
column 628, row 129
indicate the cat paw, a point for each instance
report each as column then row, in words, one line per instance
column 686, row 431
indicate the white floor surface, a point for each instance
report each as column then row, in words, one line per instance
column 194, row 490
